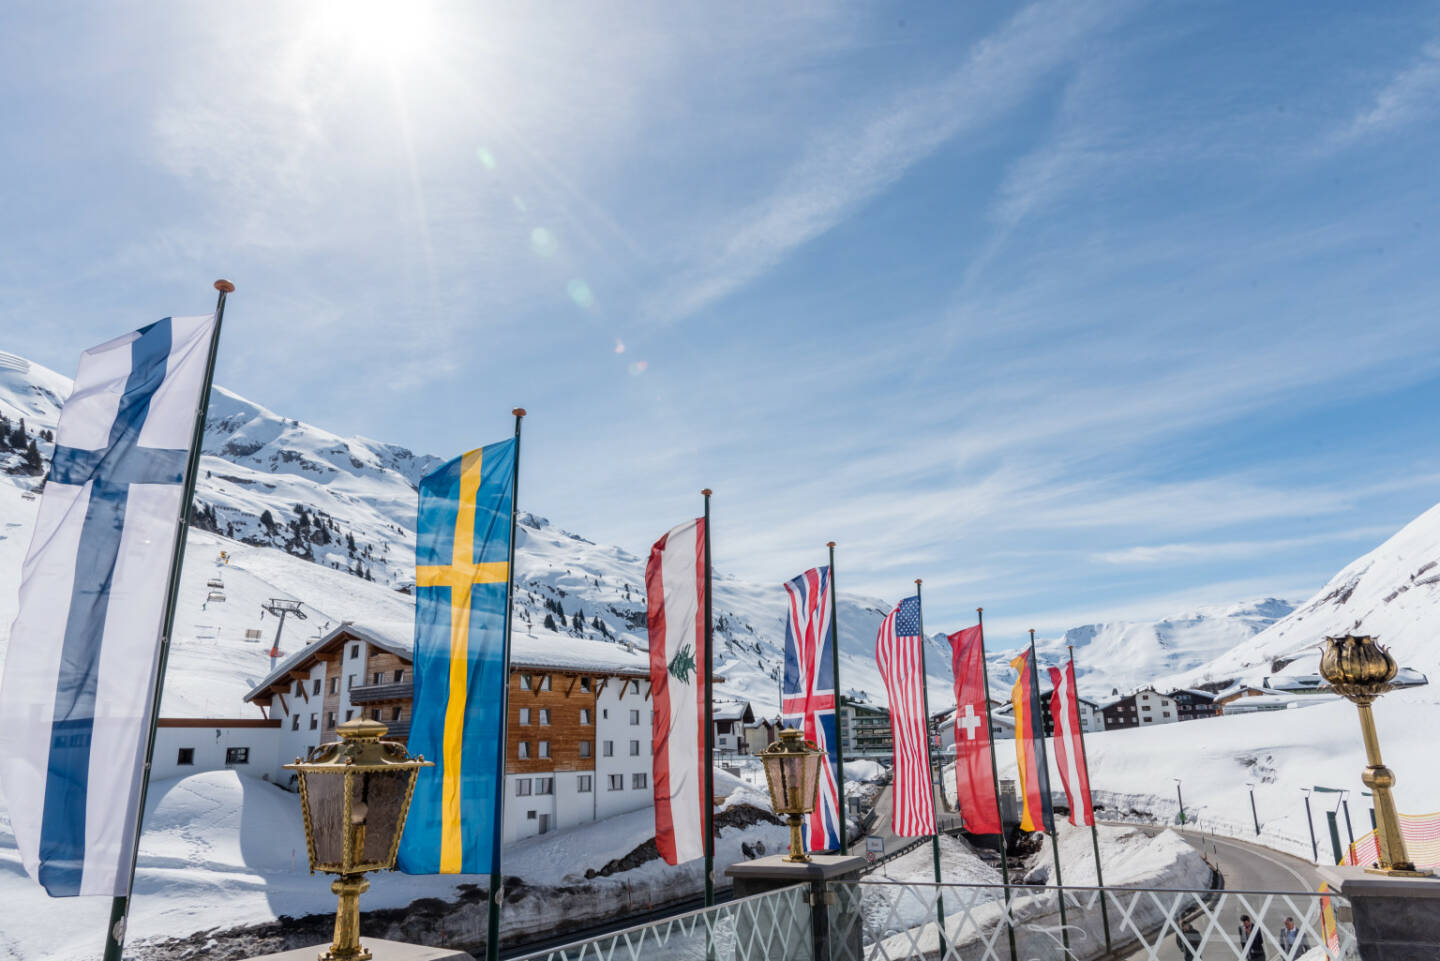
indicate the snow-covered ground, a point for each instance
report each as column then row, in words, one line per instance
column 223, row 850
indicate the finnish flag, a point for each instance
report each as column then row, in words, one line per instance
column 76, row 695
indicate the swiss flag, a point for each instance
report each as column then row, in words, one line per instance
column 974, row 770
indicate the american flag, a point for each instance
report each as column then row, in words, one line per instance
column 809, row 696
column 902, row 666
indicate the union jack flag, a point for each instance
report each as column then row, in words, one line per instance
column 809, row 696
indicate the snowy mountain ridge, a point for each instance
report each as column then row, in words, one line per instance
column 1392, row 593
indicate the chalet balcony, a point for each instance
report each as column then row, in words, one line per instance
column 395, row 691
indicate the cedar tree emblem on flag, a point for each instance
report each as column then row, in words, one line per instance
column 682, row 664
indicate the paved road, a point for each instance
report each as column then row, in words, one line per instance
column 1245, row 867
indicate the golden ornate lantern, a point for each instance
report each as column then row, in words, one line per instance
column 1361, row 670
column 792, row 769
column 354, row 795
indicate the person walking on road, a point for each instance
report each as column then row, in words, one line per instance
column 1187, row 939
column 1291, row 939
column 1251, row 940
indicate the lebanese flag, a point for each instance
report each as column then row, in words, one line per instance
column 675, row 616
column 974, row 771
column 1069, row 749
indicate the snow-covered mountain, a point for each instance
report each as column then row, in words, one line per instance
column 1392, row 593
column 307, row 514
column 1123, row 655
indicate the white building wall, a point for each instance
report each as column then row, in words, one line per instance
column 209, row 745
column 1155, row 708
column 621, row 720
column 297, row 738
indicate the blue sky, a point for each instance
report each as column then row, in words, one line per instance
column 1076, row 310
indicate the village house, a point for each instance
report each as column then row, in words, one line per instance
column 864, row 729
column 579, row 727
column 1146, row 706
column 730, row 718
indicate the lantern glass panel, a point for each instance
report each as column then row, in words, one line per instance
column 810, row 792
column 383, row 794
column 324, row 795
column 776, row 782
column 794, row 767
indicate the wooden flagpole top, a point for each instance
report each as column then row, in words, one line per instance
column 518, row 412
column 979, row 610
column 705, row 492
column 829, row 543
column 224, row 286
column 917, row 582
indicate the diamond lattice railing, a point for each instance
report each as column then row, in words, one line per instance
column 889, row 921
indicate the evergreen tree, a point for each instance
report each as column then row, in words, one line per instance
column 267, row 521
column 578, row 621
column 550, row 623
column 33, row 463
column 18, row 437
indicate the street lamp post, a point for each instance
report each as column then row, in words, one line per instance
column 354, row 795
column 1254, row 814
column 1360, row 670
column 1181, row 798
column 1314, row 845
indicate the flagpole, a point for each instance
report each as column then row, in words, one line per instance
column 1044, row 764
column 497, row 877
column 120, row 904
column 995, row 780
column 930, row 759
column 1094, row 829
column 839, row 741
column 709, row 778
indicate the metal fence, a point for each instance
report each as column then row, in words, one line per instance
column 889, row 921
column 774, row 926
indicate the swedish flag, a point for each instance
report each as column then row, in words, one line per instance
column 462, row 594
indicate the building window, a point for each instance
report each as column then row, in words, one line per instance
column 237, row 755
column 295, row 723
column 544, row 748
column 314, row 721
column 349, row 713
column 329, row 720
column 374, row 714
column 585, row 715
column 544, row 715
column 617, row 782
column 522, row 787
column 637, row 781
column 544, row 785
column 523, row 750
column 607, row 748
column 525, row 682
column 186, row 755
column 317, row 686
column 634, row 687
column 349, row 681
column 586, row 684
column 544, row 682
column 584, row 784
column 721, row 727
column 376, row 676
column 634, row 717
column 634, row 748
column 584, row 748
column 395, row 714
column 399, row 675
column 524, row 715
column 605, row 713
column 354, row 650
column 297, row 687
column 334, row 685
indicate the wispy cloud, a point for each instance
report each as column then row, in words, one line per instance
column 1208, row 551
column 848, row 162
column 1411, row 95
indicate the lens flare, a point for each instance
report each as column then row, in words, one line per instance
column 580, row 292
column 619, row 346
column 543, row 242
column 638, row 368
column 487, row 159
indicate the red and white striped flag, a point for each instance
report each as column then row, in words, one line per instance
column 902, row 666
column 1069, row 752
column 675, row 602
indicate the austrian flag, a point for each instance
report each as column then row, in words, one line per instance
column 675, row 602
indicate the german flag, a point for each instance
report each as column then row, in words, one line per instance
column 1036, row 813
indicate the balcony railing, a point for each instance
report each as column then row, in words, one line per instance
column 774, row 926
column 396, row 691
column 875, row 920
